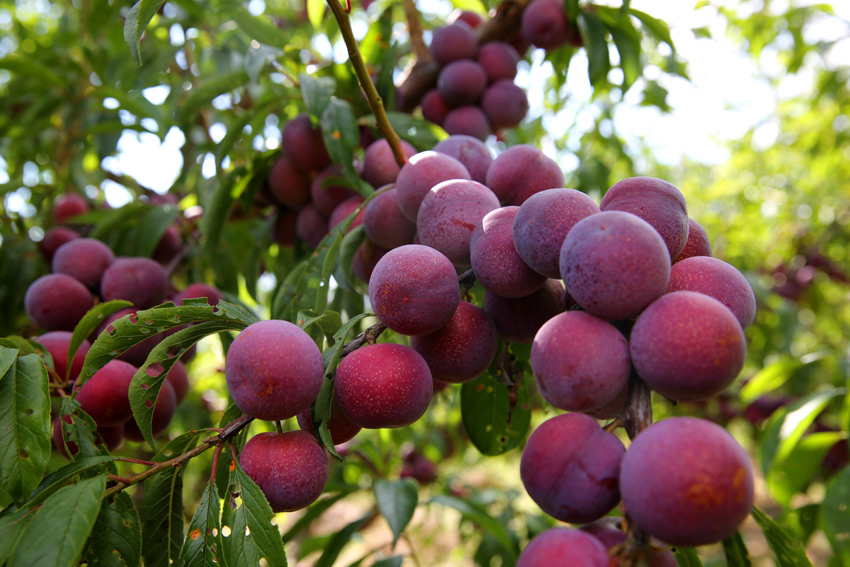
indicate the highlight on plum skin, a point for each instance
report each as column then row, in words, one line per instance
column 557, row 547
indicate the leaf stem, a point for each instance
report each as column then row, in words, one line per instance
column 366, row 84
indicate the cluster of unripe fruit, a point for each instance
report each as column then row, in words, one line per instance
column 605, row 294
column 86, row 271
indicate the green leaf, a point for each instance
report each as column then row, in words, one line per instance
column 316, row 91
column 203, row 540
column 593, row 36
column 58, row 531
column 627, row 41
column 12, row 528
column 148, row 232
column 487, row 417
column 338, row 541
column 397, row 502
column 137, row 20
column 257, row 27
column 57, row 479
column 316, row 12
column 253, row 535
column 312, row 513
column 787, row 426
column 834, row 519
column 340, row 131
column 787, row 551
column 793, row 473
column 161, row 511
column 656, row 27
column 737, row 554
column 116, row 540
column 479, row 515
column 91, row 321
column 687, row 557
column 769, row 379
column 31, row 67
column 227, row 190
column 422, row 134
column 25, row 435
column 81, row 431
column 203, row 93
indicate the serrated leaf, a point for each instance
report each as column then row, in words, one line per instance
column 479, row 515
column 252, row 534
column 24, row 422
column 316, row 91
column 161, row 512
column 91, row 321
column 787, row 426
column 834, row 519
column 737, row 554
column 687, row 557
column 12, row 528
column 593, row 37
column 397, row 502
column 116, row 540
column 787, row 551
column 58, row 531
column 81, row 431
column 56, row 480
column 203, row 540
column 485, row 407
column 137, row 20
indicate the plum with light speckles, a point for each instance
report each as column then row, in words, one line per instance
column 609, row 532
column 448, row 215
column 580, row 362
column 290, row 468
column 495, row 260
column 274, row 370
column 344, row 210
column 422, row 172
column 614, row 264
column 687, row 346
column 719, row 279
column 521, row 171
column 414, row 290
column 383, row 385
column 542, row 224
column 657, row 202
column 570, row 468
column 558, row 547
column 698, row 243
column 470, row 151
column 384, row 222
column 698, row 504
column 379, row 164
column 463, row 349
column 518, row 319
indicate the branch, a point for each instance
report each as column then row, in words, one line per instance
column 366, row 84
column 414, row 28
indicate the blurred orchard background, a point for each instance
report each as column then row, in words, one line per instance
column 743, row 105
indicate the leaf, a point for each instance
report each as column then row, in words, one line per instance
column 338, row 541
column 12, row 528
column 227, row 190
column 479, row 515
column 256, row 27
column 737, row 554
column 593, row 36
column 422, row 134
column 627, row 41
column 340, row 131
column 253, row 535
column 787, row 426
column 148, row 232
column 203, row 540
column 769, row 379
column 397, row 502
column 116, row 539
column 31, row 67
column 788, row 553
column 24, row 422
column 315, row 12
column 312, row 513
column 58, row 531
column 834, row 519
column 137, row 20
column 394, row 561
column 656, row 27
column 81, row 431
column 687, row 557
column 161, row 512
column 91, row 321
column 792, row 474
column 54, row 481
column 205, row 91
column 487, row 417
column 316, row 91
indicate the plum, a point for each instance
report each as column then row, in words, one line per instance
column 105, row 396
column 499, row 60
column 379, row 165
column 84, row 259
column 462, row 82
column 57, row 302
column 311, row 225
column 452, row 42
column 468, row 120
column 519, row 319
column 719, row 279
column 558, row 547
column 420, row 174
column 141, row 281
column 383, row 221
column 698, row 243
column 470, row 151
column 56, row 343
column 521, row 171
column 327, row 194
column 69, row 205
column 289, row 185
column 340, row 427
column 434, row 106
column 273, row 370
column 505, row 104
column 54, row 238
column 303, row 143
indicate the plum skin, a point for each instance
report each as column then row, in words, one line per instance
column 383, row 385
column 570, row 468
column 559, row 547
column 718, row 279
column 57, row 302
column 698, row 504
column 273, row 370
column 291, row 468
column 105, row 396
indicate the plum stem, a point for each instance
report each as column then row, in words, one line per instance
column 636, row 417
column 366, row 84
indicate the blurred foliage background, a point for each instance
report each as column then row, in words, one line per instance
column 218, row 80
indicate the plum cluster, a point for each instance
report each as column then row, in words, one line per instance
column 475, row 92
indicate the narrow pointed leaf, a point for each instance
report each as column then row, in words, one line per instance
column 687, row 557
column 833, row 514
column 397, row 502
column 116, row 540
column 56, row 480
column 137, row 20
column 203, row 540
column 737, row 554
column 91, row 321
column 787, row 551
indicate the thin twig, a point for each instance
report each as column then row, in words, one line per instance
column 414, row 28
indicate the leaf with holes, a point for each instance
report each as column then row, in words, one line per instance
column 24, row 422
column 203, row 540
column 494, row 427
column 91, row 321
column 79, row 431
column 252, row 536
column 116, row 540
